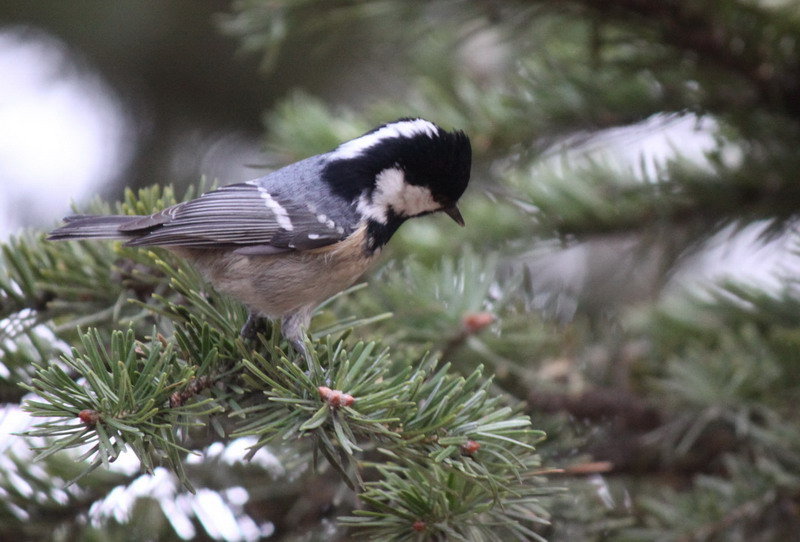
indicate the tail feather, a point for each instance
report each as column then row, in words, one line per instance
column 93, row 227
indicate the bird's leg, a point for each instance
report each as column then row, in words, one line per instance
column 293, row 328
column 250, row 329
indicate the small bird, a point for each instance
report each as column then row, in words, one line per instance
column 284, row 243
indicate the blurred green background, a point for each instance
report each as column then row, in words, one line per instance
column 631, row 225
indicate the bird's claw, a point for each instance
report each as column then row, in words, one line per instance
column 252, row 327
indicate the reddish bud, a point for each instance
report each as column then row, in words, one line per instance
column 470, row 447
column 419, row 525
column 89, row 417
column 335, row 398
column 473, row 322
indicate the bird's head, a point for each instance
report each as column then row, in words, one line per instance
column 400, row 170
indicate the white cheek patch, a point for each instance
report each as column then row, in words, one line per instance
column 393, row 192
column 406, row 128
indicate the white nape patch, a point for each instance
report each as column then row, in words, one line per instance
column 405, row 128
column 281, row 216
column 392, row 191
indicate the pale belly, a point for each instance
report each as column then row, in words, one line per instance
column 278, row 285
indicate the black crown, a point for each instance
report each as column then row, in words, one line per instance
column 440, row 162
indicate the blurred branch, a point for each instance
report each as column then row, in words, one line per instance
column 624, row 409
column 740, row 37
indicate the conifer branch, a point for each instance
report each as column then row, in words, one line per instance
column 353, row 405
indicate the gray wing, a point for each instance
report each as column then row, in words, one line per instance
column 245, row 217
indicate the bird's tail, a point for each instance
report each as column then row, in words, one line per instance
column 93, row 227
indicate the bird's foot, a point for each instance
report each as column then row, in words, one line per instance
column 252, row 327
column 300, row 347
column 293, row 328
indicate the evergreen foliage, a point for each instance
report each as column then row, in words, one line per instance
column 670, row 411
column 156, row 367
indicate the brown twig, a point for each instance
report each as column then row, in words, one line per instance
column 631, row 411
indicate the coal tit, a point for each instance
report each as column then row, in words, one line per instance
column 283, row 243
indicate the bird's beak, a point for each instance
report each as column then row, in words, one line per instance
column 455, row 214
